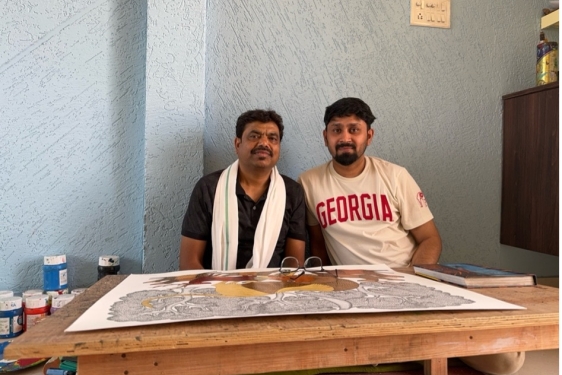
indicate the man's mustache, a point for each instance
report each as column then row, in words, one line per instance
column 345, row 145
column 255, row 150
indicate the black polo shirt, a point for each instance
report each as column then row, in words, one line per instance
column 199, row 218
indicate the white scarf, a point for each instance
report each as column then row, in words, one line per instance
column 224, row 230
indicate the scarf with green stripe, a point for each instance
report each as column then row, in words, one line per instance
column 224, row 229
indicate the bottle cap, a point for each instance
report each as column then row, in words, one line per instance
column 37, row 301
column 10, row 303
column 60, row 301
column 108, row 261
column 51, row 260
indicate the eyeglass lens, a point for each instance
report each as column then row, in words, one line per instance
column 312, row 263
column 289, row 264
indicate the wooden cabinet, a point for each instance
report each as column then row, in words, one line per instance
column 529, row 206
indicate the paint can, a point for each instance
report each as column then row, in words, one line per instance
column 54, row 272
column 55, row 293
column 547, row 61
column 108, row 265
column 36, row 309
column 11, row 317
column 59, row 301
column 24, row 295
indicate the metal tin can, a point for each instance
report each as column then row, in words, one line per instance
column 547, row 61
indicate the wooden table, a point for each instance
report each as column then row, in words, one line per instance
column 257, row 345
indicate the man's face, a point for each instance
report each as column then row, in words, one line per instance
column 347, row 138
column 259, row 146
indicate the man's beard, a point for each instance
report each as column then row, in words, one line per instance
column 347, row 158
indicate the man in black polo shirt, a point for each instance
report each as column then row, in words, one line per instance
column 247, row 215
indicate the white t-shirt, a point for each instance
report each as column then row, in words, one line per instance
column 366, row 219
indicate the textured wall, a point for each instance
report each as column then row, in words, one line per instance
column 88, row 166
column 436, row 94
column 71, row 136
column 175, row 72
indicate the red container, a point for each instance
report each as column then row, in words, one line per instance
column 36, row 308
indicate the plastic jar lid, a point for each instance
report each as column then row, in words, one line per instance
column 58, row 292
column 108, row 260
column 38, row 301
column 10, row 303
column 60, row 301
column 31, row 292
column 51, row 260
column 6, row 293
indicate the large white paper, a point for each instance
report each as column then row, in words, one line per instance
column 196, row 295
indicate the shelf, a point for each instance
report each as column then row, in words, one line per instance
column 550, row 20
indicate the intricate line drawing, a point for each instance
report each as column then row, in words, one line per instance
column 205, row 303
column 190, row 296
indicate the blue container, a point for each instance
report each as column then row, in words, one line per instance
column 54, row 272
column 11, row 317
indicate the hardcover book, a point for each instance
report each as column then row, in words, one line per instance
column 473, row 276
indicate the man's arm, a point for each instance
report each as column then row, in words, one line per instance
column 317, row 244
column 295, row 248
column 428, row 243
column 191, row 253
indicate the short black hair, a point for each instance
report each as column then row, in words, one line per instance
column 348, row 107
column 259, row 115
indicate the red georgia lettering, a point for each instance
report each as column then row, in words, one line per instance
column 343, row 208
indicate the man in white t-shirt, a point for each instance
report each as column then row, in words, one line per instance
column 365, row 210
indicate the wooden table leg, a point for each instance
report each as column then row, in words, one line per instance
column 435, row 366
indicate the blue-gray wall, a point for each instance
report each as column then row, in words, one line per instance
column 110, row 110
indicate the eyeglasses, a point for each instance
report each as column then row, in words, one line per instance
column 290, row 266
